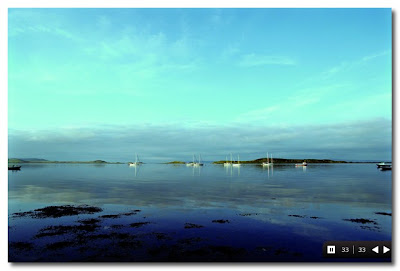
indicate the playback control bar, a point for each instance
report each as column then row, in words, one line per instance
column 357, row 249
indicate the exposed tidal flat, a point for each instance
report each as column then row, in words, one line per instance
column 154, row 212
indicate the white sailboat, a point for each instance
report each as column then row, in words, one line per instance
column 236, row 164
column 190, row 164
column 195, row 163
column 227, row 164
column 304, row 164
column 198, row 164
column 136, row 163
column 266, row 164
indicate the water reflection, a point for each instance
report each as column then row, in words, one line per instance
column 196, row 170
column 260, row 203
column 137, row 169
column 304, row 168
column 270, row 168
column 161, row 185
column 232, row 171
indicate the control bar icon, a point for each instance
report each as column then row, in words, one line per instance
column 357, row 249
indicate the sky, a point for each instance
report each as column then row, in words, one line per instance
column 87, row 84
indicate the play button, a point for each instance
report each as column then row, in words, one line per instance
column 357, row 249
column 385, row 249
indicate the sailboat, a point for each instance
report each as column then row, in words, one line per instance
column 266, row 164
column 227, row 164
column 190, row 164
column 136, row 163
column 304, row 164
column 198, row 164
column 195, row 163
column 236, row 164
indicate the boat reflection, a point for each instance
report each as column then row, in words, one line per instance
column 137, row 169
column 196, row 170
column 232, row 171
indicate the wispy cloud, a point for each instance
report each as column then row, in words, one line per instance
column 346, row 66
column 252, row 60
column 372, row 56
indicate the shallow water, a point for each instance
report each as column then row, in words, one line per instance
column 159, row 212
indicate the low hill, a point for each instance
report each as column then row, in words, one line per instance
column 175, row 162
column 37, row 160
column 97, row 162
column 25, row 160
column 283, row 160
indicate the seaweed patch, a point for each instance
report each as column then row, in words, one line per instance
column 192, row 226
column 59, row 211
column 361, row 220
column 383, row 213
column 221, row 221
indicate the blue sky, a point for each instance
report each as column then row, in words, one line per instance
column 87, row 84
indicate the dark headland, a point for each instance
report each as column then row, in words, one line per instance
column 284, row 161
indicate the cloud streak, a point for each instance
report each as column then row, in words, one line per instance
column 254, row 60
column 368, row 140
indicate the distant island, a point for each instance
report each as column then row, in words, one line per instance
column 256, row 161
column 44, row 161
column 175, row 162
column 283, row 160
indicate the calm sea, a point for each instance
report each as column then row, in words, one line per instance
column 160, row 212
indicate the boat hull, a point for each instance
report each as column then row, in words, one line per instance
column 386, row 167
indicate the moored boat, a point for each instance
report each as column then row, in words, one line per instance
column 386, row 167
column 266, row 164
column 228, row 164
column 198, row 163
column 237, row 164
column 136, row 163
column 383, row 164
column 304, row 164
column 195, row 163
column 14, row 168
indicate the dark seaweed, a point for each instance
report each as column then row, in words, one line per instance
column 59, row 211
column 361, row 220
column 192, row 226
column 221, row 221
column 383, row 213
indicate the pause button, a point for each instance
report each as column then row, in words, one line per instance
column 330, row 249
